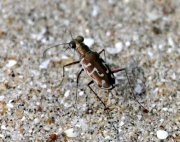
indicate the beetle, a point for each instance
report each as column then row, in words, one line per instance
column 95, row 67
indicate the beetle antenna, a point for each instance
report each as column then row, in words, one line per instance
column 71, row 35
column 44, row 53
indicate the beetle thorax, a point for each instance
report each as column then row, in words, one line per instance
column 82, row 49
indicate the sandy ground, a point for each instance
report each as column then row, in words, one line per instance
column 143, row 36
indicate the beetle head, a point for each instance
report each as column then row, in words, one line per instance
column 78, row 39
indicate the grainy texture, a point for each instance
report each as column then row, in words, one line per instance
column 32, row 105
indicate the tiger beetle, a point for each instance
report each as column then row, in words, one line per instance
column 95, row 67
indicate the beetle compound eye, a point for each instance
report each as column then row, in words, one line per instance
column 72, row 44
column 80, row 39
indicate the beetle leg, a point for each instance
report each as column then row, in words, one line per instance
column 144, row 109
column 134, row 96
column 104, row 53
column 73, row 63
column 77, row 83
column 118, row 70
column 91, row 82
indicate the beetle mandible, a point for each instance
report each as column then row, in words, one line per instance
column 94, row 66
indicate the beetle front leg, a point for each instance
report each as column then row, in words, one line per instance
column 91, row 82
column 77, row 83
column 73, row 63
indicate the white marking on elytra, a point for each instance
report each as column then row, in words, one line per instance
column 87, row 65
column 90, row 73
column 95, row 70
column 84, row 65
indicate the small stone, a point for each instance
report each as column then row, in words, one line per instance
column 71, row 133
column 81, row 93
column 89, row 41
column 63, row 57
column 119, row 45
column 161, row 134
column 36, row 120
column 121, row 123
column 138, row 89
column 44, row 65
column 173, row 76
column 19, row 113
column 161, row 120
column 3, row 34
column 23, row 118
column 150, row 54
column 39, row 36
column 126, row 1
column 127, row 43
column 165, row 109
column 114, row 50
column 1, row 136
column 3, row 87
column 11, row 63
column 9, row 105
column 67, row 105
column 171, row 42
column 107, row 137
column 83, row 124
column 3, row 127
column 152, row 16
column 2, row 98
column 53, row 137
column 95, row 11
column 139, row 117
column 108, row 33
column 66, row 94
column 47, row 128
column 112, row 2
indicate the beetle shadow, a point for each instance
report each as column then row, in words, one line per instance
column 137, row 81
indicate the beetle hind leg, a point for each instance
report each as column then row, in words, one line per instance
column 91, row 82
column 131, row 89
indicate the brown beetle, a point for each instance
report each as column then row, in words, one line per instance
column 94, row 66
